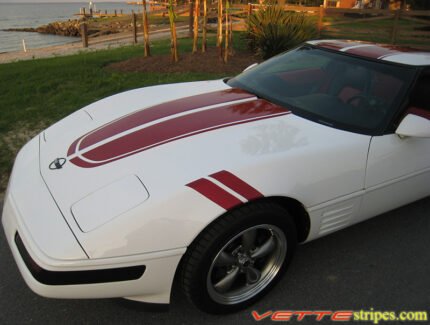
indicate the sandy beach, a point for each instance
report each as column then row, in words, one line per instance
column 98, row 43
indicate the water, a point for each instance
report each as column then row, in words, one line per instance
column 19, row 15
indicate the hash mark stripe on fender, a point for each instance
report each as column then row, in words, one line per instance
column 215, row 193
column 236, row 184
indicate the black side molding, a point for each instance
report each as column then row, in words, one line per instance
column 77, row 277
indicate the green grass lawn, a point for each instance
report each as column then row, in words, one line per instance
column 34, row 94
column 376, row 31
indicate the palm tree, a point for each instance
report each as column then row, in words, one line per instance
column 145, row 30
column 227, row 25
column 196, row 25
column 205, row 21
column 219, row 30
column 173, row 42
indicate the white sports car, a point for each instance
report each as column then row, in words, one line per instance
column 214, row 183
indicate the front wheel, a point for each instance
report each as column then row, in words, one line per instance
column 238, row 258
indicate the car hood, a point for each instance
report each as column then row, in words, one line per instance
column 115, row 137
column 153, row 141
column 133, row 154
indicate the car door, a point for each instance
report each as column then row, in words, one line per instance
column 398, row 168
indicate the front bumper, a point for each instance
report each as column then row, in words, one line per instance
column 76, row 277
column 52, row 262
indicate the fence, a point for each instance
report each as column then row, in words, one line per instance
column 404, row 27
column 397, row 27
column 408, row 28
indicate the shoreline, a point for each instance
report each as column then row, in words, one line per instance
column 95, row 44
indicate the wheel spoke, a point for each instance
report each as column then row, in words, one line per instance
column 264, row 249
column 226, row 282
column 225, row 259
column 248, row 240
column 252, row 275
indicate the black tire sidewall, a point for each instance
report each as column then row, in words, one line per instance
column 237, row 221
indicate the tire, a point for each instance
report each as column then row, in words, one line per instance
column 238, row 258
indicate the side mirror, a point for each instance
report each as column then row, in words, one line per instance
column 415, row 124
column 250, row 67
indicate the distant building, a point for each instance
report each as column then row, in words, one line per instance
column 362, row 4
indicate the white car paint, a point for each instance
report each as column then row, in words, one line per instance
column 339, row 177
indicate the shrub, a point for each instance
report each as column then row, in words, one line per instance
column 272, row 30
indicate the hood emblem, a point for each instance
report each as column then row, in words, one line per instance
column 58, row 163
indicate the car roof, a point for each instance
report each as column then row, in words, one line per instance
column 392, row 53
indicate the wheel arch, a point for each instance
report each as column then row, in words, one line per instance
column 297, row 210
column 293, row 207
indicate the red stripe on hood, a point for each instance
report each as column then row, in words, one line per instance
column 178, row 128
column 160, row 111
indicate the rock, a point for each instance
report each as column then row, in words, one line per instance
column 72, row 28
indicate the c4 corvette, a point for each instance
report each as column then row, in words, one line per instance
column 214, row 183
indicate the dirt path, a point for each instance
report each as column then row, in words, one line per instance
column 101, row 42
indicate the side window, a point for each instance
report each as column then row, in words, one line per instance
column 420, row 97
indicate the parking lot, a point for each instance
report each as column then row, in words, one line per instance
column 383, row 264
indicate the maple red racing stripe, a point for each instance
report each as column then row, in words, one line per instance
column 215, row 193
column 73, row 146
column 419, row 112
column 160, row 111
column 337, row 45
column 372, row 51
column 236, row 184
column 178, row 128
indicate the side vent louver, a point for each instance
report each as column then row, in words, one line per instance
column 336, row 219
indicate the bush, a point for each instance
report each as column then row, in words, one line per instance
column 273, row 30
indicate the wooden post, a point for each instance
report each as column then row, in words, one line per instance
column 106, row 12
column 320, row 20
column 191, row 19
column 121, row 11
column 395, row 29
column 196, row 25
column 115, row 13
column 249, row 9
column 205, row 22
column 133, row 21
column 84, row 34
column 83, row 11
column 145, row 30
column 91, row 12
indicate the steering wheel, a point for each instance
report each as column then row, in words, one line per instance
column 363, row 101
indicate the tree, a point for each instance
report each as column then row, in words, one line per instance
column 205, row 22
column 173, row 41
column 419, row 4
column 145, row 30
column 196, row 24
column 227, row 29
column 219, row 29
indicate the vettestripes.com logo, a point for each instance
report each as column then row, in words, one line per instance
column 373, row 316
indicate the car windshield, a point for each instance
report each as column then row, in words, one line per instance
column 331, row 88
